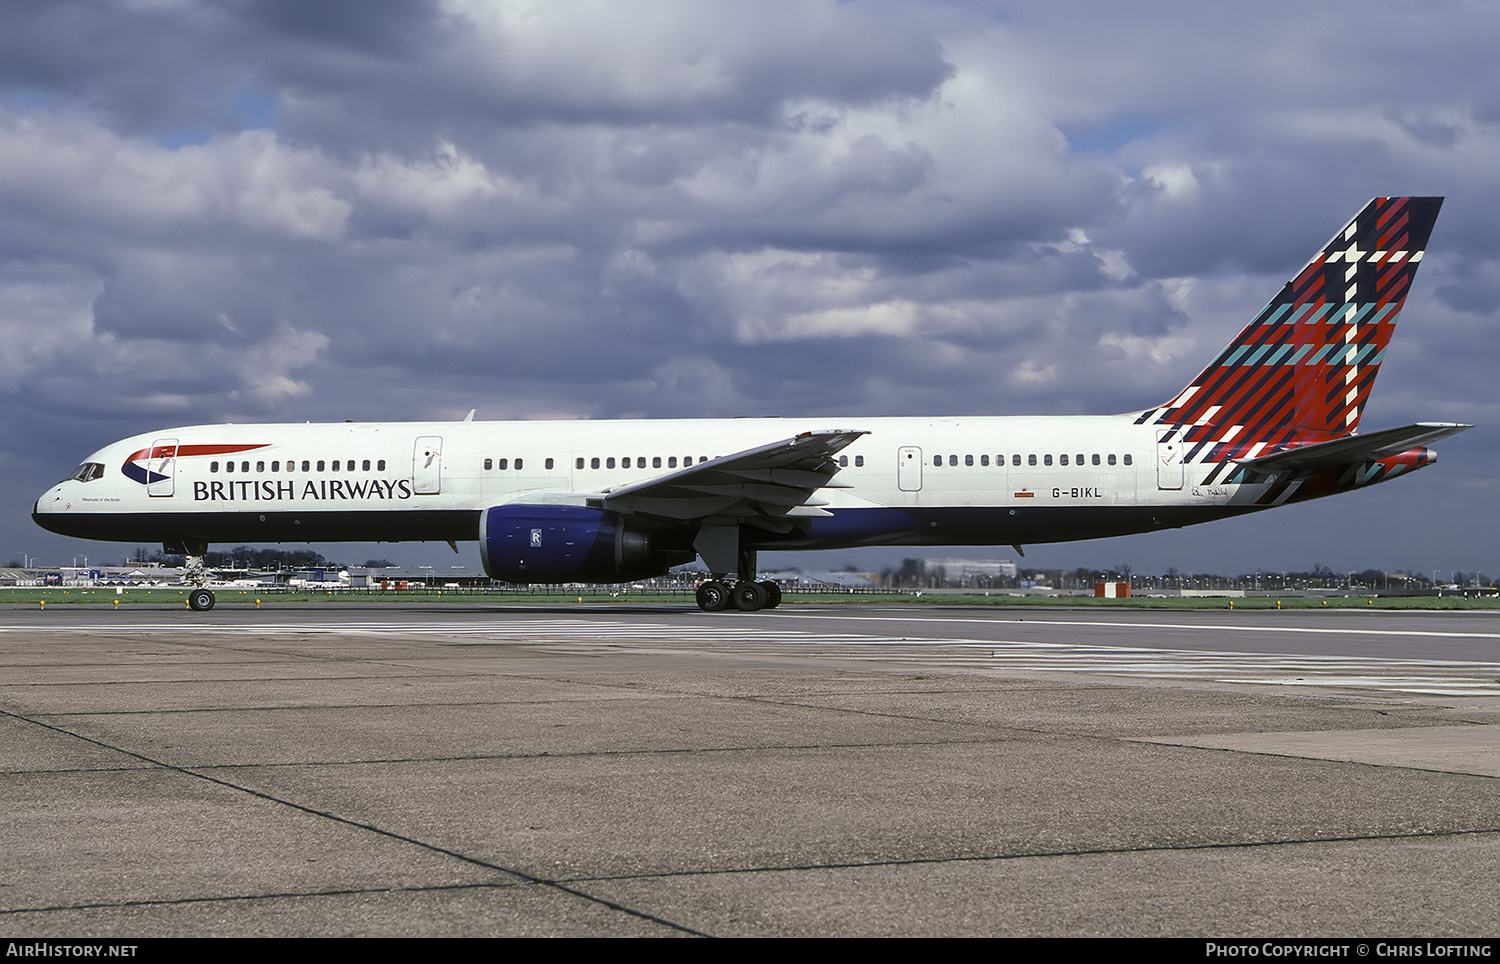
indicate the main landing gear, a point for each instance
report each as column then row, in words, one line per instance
column 746, row 596
column 201, row 600
column 718, row 543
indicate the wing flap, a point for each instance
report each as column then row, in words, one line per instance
column 776, row 480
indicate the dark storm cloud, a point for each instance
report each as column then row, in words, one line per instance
column 278, row 210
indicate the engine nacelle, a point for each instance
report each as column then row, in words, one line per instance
column 567, row 543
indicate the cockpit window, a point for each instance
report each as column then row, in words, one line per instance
column 88, row 472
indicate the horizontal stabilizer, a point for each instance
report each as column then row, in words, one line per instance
column 1355, row 448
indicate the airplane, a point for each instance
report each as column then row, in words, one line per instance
column 1271, row 421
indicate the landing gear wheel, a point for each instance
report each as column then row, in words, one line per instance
column 773, row 594
column 200, row 600
column 749, row 596
column 713, row 596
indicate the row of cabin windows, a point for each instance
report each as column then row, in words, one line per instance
column 504, row 464
column 596, row 462
column 640, row 462
column 307, row 466
column 937, row 460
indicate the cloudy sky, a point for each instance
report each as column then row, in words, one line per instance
column 268, row 210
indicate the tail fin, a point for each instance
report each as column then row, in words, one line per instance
column 1307, row 362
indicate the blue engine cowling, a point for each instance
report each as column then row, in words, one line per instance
column 566, row 543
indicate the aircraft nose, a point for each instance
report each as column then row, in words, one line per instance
column 47, row 520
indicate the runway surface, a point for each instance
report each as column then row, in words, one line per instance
column 330, row 769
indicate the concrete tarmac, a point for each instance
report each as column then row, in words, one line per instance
column 476, row 771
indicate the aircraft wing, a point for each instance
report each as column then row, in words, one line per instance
column 1355, row 448
column 769, row 485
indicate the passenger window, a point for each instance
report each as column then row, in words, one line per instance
column 547, row 465
column 365, row 465
column 937, row 460
column 1016, row 460
column 276, row 466
column 984, row 460
column 379, row 466
column 594, row 462
column 228, row 466
column 350, row 466
column 968, row 460
column 702, row 459
column 245, row 466
column 656, row 461
column 1127, row 458
column 859, row 461
column 213, row 466
column 1063, row 459
column 320, row 465
column 1111, row 459
column 518, row 465
column 1031, row 460
column 579, row 463
column 843, row 461
column 952, row 460
column 489, row 464
column 672, row 462
column 1096, row 458
column 1046, row 460
column 609, row 463
column 640, row 461
column 501, row 464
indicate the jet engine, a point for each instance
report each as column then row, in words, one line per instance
column 568, row 543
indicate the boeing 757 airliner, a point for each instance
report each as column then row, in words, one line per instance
column 1271, row 421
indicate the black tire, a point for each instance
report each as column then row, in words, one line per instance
column 201, row 600
column 713, row 597
column 773, row 594
column 749, row 596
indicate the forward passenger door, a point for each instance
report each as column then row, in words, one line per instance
column 427, row 466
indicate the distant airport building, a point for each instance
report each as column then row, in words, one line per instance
column 958, row 570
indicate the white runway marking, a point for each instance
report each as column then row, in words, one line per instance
column 1429, row 677
column 1191, row 627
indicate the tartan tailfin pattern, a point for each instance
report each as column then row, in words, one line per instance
column 1304, row 367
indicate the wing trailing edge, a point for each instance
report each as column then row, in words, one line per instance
column 773, row 481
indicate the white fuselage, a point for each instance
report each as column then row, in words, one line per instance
column 374, row 481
